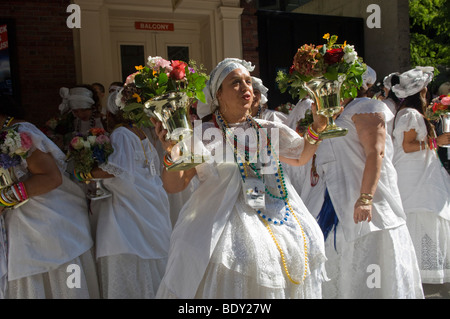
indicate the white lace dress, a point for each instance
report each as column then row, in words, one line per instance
column 365, row 260
column 48, row 234
column 425, row 190
column 221, row 248
column 133, row 226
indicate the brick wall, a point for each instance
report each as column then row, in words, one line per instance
column 249, row 22
column 45, row 54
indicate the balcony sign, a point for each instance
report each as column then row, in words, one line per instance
column 154, row 26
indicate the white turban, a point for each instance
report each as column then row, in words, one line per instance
column 75, row 98
column 258, row 85
column 387, row 81
column 413, row 81
column 216, row 78
column 369, row 77
column 111, row 106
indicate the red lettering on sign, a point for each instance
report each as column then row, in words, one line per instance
column 3, row 37
column 154, row 26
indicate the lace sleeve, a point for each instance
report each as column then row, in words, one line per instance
column 122, row 161
column 285, row 141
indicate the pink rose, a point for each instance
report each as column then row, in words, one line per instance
column 130, row 78
column 179, row 70
column 102, row 139
column 77, row 142
column 445, row 100
column 25, row 140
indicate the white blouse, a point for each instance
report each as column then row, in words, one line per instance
column 342, row 160
column 216, row 225
column 50, row 229
column 423, row 182
column 135, row 219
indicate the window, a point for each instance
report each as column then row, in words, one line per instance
column 131, row 56
column 178, row 53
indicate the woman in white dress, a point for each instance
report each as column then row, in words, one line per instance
column 229, row 243
column 133, row 225
column 423, row 182
column 84, row 104
column 259, row 107
column 49, row 239
column 369, row 250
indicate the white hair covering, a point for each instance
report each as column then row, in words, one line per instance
column 369, row 77
column 216, row 78
column 111, row 105
column 257, row 84
column 413, row 81
column 75, row 99
column 387, row 80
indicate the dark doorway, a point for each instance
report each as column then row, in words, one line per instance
column 280, row 34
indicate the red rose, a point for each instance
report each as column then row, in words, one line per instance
column 178, row 70
column 333, row 56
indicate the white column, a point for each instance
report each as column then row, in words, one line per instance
column 229, row 36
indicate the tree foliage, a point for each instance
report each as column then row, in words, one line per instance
column 430, row 32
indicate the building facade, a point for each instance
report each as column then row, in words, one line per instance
column 115, row 35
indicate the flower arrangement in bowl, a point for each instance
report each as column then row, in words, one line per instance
column 325, row 72
column 439, row 107
column 90, row 150
column 159, row 78
column 14, row 147
column 87, row 152
column 166, row 90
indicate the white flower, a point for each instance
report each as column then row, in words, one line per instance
column 91, row 139
column 119, row 102
column 86, row 144
column 350, row 55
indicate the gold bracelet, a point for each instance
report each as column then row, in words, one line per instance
column 310, row 140
column 365, row 201
column 366, row 195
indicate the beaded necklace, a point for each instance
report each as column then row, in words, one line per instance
column 7, row 122
column 281, row 187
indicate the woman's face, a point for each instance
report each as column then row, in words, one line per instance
column 256, row 101
column 82, row 114
column 235, row 95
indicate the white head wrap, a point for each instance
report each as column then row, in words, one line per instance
column 369, row 77
column 75, row 98
column 387, row 80
column 216, row 78
column 413, row 81
column 111, row 105
column 258, row 85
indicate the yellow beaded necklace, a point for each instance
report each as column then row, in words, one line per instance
column 225, row 126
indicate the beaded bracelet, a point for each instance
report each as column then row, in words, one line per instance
column 167, row 161
column 22, row 191
column 311, row 136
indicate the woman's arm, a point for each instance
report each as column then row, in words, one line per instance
column 371, row 131
column 45, row 174
column 319, row 124
column 173, row 181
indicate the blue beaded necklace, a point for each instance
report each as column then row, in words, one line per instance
column 279, row 175
column 282, row 187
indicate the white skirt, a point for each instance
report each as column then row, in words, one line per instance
column 380, row 265
column 128, row 276
column 59, row 283
column 431, row 238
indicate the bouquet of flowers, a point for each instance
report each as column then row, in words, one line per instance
column 90, row 150
column 14, row 147
column 330, row 60
column 439, row 106
column 158, row 78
